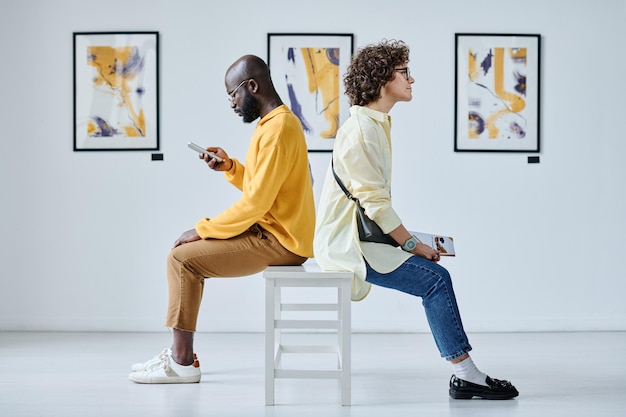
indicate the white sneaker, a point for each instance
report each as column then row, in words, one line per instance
column 162, row 369
column 142, row 366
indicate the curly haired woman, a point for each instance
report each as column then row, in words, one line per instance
column 377, row 78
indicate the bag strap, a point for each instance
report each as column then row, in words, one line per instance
column 343, row 187
column 364, row 223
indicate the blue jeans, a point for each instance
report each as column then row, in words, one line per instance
column 431, row 281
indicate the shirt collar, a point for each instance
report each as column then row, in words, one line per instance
column 374, row 114
column 280, row 109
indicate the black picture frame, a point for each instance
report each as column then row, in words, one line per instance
column 497, row 92
column 116, row 91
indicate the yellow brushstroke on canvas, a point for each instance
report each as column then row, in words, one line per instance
column 472, row 131
column 106, row 59
column 131, row 131
column 518, row 54
column 516, row 102
column 474, row 72
column 91, row 128
column 323, row 76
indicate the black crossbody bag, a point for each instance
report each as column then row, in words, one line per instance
column 369, row 231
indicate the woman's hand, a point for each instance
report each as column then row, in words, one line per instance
column 426, row 252
column 401, row 235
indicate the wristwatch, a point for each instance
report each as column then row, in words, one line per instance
column 410, row 244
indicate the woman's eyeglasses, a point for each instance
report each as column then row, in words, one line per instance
column 406, row 71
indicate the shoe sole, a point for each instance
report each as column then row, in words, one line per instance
column 165, row 380
column 468, row 396
column 141, row 366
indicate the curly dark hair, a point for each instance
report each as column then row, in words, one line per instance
column 371, row 68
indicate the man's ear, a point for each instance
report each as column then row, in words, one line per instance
column 253, row 85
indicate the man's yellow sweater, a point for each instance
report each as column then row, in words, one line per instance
column 276, row 186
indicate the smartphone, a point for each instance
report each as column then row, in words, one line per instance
column 200, row 149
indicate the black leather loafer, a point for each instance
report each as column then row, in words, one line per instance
column 495, row 390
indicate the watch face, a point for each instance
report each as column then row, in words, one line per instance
column 410, row 245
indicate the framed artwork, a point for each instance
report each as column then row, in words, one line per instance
column 307, row 70
column 116, row 91
column 497, row 92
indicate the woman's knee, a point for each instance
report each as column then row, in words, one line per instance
column 444, row 276
column 439, row 278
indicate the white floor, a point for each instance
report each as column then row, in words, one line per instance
column 85, row 374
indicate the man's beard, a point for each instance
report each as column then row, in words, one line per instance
column 250, row 109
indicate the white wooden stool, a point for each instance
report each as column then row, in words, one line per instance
column 309, row 275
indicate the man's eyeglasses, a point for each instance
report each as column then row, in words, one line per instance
column 406, row 71
column 231, row 95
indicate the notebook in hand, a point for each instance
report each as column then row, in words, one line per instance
column 444, row 244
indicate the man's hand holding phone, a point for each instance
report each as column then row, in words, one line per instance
column 216, row 158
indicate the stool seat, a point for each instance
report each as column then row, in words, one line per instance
column 308, row 275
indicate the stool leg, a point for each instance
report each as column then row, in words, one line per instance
column 277, row 316
column 345, row 344
column 269, row 341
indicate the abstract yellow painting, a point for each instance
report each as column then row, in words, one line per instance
column 307, row 70
column 497, row 93
column 116, row 91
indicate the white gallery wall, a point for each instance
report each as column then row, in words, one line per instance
column 84, row 235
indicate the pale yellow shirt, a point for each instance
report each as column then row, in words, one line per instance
column 277, row 191
column 362, row 158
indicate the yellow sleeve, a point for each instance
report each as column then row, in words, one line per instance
column 235, row 174
column 259, row 194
